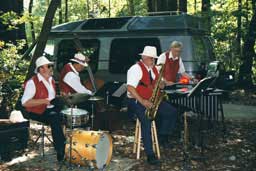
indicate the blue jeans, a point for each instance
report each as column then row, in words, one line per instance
column 166, row 120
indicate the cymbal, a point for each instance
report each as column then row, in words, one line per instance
column 95, row 98
column 77, row 98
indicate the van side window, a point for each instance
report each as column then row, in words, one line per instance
column 199, row 49
column 67, row 49
column 124, row 52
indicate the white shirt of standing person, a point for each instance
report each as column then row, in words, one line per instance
column 162, row 58
column 74, row 81
column 30, row 89
column 134, row 75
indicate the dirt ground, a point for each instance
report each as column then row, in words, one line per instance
column 233, row 152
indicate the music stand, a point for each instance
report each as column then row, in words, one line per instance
column 202, row 86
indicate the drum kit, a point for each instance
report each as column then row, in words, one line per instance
column 85, row 147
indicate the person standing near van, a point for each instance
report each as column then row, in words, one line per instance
column 39, row 94
column 70, row 81
column 173, row 63
column 141, row 78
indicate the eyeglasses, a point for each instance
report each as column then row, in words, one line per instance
column 48, row 66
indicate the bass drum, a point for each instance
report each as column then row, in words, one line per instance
column 93, row 148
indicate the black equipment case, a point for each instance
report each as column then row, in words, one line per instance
column 13, row 137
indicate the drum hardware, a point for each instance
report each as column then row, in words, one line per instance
column 79, row 118
column 93, row 99
column 76, row 151
column 107, row 97
column 72, row 120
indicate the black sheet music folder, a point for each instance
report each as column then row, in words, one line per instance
column 203, row 86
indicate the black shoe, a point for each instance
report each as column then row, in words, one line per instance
column 153, row 160
column 163, row 141
column 60, row 156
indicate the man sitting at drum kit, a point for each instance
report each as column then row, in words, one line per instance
column 70, row 81
column 38, row 94
column 141, row 78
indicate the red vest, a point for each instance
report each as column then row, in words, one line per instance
column 145, row 87
column 171, row 68
column 65, row 88
column 41, row 93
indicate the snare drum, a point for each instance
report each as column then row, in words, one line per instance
column 80, row 117
column 93, row 148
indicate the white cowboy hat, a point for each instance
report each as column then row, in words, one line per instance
column 42, row 60
column 16, row 116
column 149, row 51
column 80, row 58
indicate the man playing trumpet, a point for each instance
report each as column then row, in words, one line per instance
column 141, row 79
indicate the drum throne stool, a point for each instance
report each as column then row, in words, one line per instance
column 42, row 132
column 137, row 139
column 42, row 136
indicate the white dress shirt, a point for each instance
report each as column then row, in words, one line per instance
column 134, row 75
column 161, row 60
column 30, row 89
column 74, row 81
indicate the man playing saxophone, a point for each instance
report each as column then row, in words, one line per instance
column 141, row 81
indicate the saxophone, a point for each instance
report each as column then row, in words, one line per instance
column 157, row 96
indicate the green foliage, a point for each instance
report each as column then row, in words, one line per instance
column 223, row 20
column 224, row 29
column 12, row 19
column 12, row 66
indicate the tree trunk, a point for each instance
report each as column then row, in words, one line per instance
column 60, row 14
column 66, row 11
column 183, row 5
column 162, row 5
column 150, row 5
column 206, row 9
column 46, row 28
column 131, row 7
column 33, row 36
column 109, row 8
column 247, row 11
column 245, row 71
column 239, row 24
column 195, row 3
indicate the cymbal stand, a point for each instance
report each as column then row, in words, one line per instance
column 71, row 137
column 186, row 158
column 92, row 115
column 90, row 166
column 70, row 140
